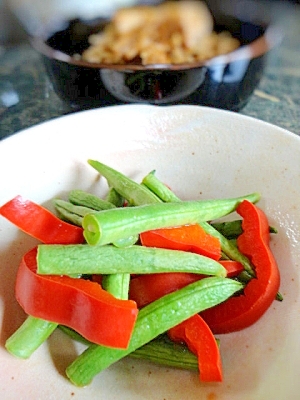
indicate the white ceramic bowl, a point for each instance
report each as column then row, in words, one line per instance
column 201, row 153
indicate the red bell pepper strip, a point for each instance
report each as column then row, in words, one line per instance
column 191, row 238
column 196, row 334
column 232, row 267
column 145, row 289
column 241, row 311
column 77, row 303
column 40, row 223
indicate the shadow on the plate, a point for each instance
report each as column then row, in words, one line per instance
column 62, row 350
column 12, row 314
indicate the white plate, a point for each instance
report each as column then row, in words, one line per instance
column 200, row 153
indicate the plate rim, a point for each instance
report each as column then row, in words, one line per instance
column 146, row 107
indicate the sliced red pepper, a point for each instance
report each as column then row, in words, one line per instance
column 40, row 223
column 77, row 303
column 232, row 267
column 191, row 238
column 196, row 334
column 241, row 311
column 145, row 289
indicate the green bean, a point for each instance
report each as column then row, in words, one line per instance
column 163, row 351
column 29, row 336
column 75, row 209
column 272, row 229
column 126, row 242
column 158, row 188
column 153, row 320
column 133, row 192
column 114, row 197
column 110, row 225
column 117, row 285
column 71, row 212
column 82, row 198
column 232, row 229
column 229, row 229
column 84, row 259
column 160, row 350
column 279, row 296
column 68, row 216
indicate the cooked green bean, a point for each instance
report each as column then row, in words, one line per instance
column 84, row 259
column 110, row 225
column 159, row 188
column 164, row 351
column 160, row 350
column 82, row 198
column 71, row 212
column 126, row 242
column 73, row 208
column 132, row 191
column 229, row 229
column 114, row 197
column 232, row 229
column 117, row 285
column 68, row 216
column 29, row 336
column 153, row 320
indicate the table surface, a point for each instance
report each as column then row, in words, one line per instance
column 27, row 97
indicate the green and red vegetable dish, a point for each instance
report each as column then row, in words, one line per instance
column 141, row 273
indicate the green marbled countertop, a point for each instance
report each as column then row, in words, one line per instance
column 27, row 97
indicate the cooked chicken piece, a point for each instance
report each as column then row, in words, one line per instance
column 170, row 33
